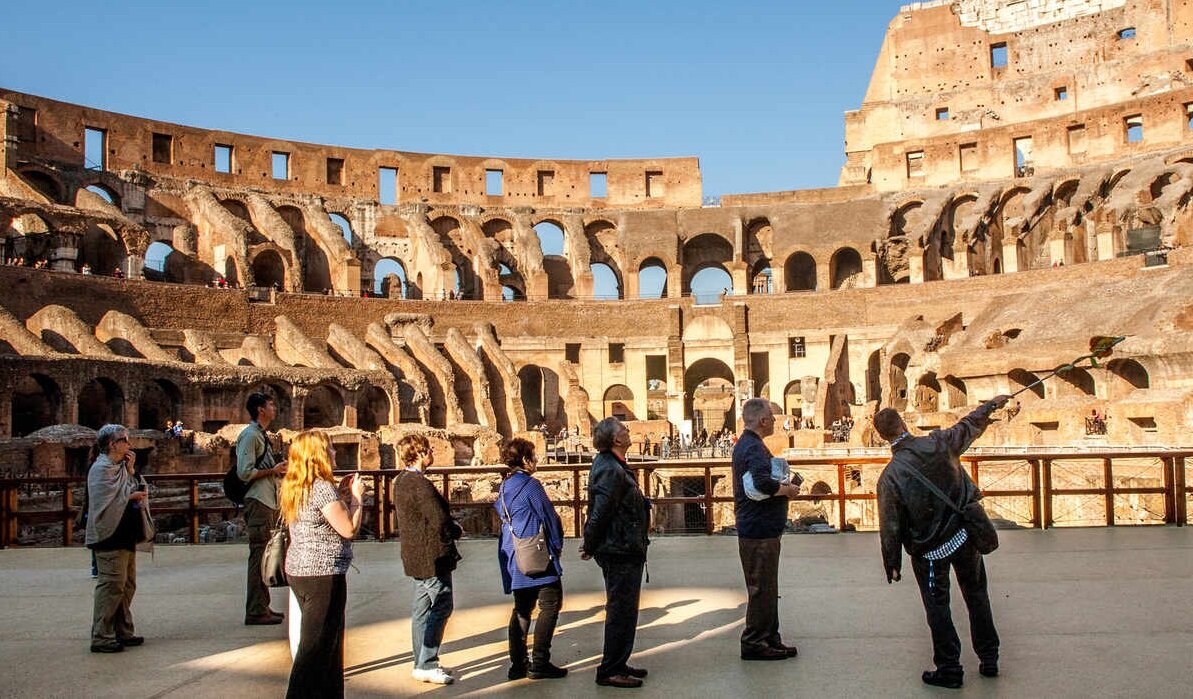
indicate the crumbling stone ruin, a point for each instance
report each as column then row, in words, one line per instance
column 1017, row 180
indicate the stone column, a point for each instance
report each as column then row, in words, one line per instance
column 915, row 266
column 869, row 272
column 6, row 431
column 1010, row 255
column 1106, row 246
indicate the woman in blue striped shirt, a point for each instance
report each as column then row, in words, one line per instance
column 522, row 504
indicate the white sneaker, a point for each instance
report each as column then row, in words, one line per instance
column 435, row 675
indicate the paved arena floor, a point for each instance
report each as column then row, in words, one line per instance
column 1081, row 612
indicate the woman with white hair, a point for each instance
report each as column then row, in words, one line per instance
column 117, row 520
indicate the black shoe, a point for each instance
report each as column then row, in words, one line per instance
column 547, row 671
column 791, row 651
column 517, row 672
column 765, row 654
column 988, row 669
column 108, row 646
column 131, row 641
column 620, row 681
column 638, row 672
column 936, row 678
column 263, row 620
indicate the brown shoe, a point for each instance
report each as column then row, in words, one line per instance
column 620, row 681
column 638, row 672
column 263, row 619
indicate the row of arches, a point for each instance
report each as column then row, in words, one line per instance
column 37, row 400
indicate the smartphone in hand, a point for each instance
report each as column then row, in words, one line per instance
column 797, row 479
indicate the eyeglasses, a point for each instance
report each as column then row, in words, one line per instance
column 120, row 439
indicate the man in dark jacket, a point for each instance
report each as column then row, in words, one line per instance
column 616, row 535
column 760, row 525
column 913, row 517
column 428, row 534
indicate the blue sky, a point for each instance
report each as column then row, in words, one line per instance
column 755, row 90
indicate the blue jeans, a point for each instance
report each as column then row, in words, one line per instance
column 433, row 605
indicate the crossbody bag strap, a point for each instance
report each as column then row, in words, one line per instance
column 509, row 520
column 919, row 476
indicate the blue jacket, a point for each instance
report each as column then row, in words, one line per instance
column 756, row 519
column 529, row 507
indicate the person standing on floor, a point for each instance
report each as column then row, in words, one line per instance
column 117, row 520
column 323, row 521
column 523, row 508
column 912, row 517
column 760, row 525
column 616, row 536
column 428, row 534
column 255, row 464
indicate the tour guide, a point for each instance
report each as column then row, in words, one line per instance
column 912, row 516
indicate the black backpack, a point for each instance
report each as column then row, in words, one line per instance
column 234, row 488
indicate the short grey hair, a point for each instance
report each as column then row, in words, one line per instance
column 108, row 434
column 753, row 410
column 604, row 433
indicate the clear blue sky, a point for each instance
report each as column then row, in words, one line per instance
column 755, row 90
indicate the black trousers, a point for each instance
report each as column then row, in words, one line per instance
column 623, row 588
column 971, row 578
column 318, row 669
column 760, row 565
column 549, row 599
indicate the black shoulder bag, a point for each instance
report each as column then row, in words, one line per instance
column 978, row 526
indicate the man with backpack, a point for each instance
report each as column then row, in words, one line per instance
column 257, row 469
column 913, row 515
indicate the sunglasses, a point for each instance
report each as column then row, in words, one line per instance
column 121, row 439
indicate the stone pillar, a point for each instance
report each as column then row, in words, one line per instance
column 6, row 414
column 915, row 266
column 131, row 417
column 958, row 267
column 1106, row 247
column 778, row 280
column 869, row 272
column 675, row 282
column 192, row 412
column 739, row 273
column 629, row 284
column 1010, row 255
column 350, row 417
column 1058, row 251
column 297, row 408
column 70, row 405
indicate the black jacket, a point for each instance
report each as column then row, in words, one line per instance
column 909, row 514
column 618, row 513
column 756, row 519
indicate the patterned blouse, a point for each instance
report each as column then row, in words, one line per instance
column 315, row 546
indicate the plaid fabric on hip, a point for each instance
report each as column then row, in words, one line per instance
column 949, row 547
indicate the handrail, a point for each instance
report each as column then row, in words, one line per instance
column 1042, row 489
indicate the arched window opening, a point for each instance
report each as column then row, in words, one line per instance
column 36, row 403
column 619, row 403
column 104, row 193
column 550, row 236
column 1021, row 378
column 762, row 280
column 389, row 279
column 101, row 402
column 344, row 225
column 845, row 269
column 709, row 399
column 898, row 381
column 323, row 407
column 160, row 402
column 927, row 393
column 652, row 279
column 800, row 272
column 605, row 284
column 269, row 270
column 710, row 284
column 1077, row 381
column 372, row 410
column 1126, row 375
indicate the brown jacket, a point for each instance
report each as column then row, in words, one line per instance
column 426, row 527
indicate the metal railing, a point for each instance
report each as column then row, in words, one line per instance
column 1039, row 490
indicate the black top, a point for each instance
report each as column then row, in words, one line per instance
column 618, row 522
column 127, row 533
column 756, row 519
